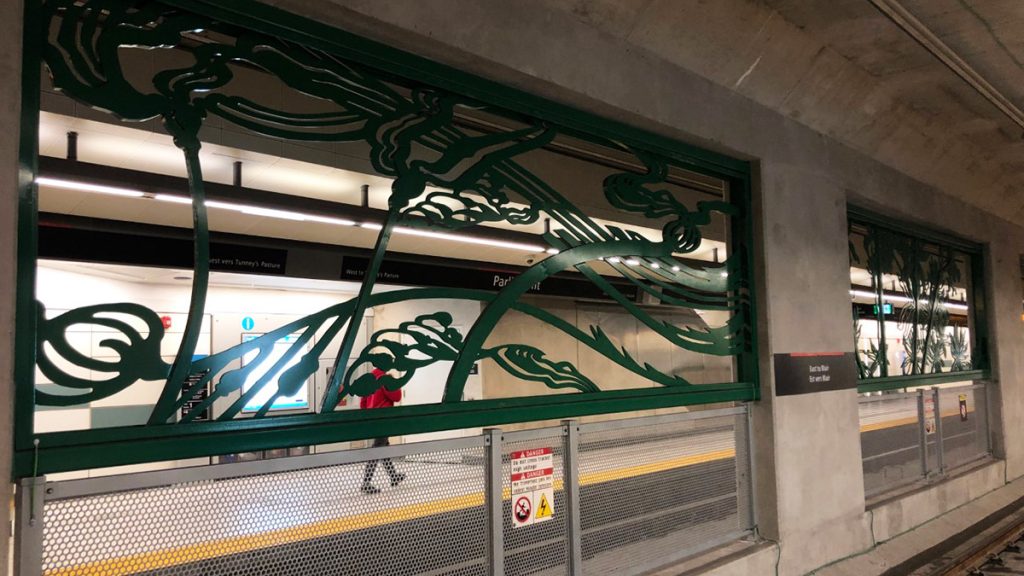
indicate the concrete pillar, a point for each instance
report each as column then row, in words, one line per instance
column 816, row 506
column 1006, row 334
column 10, row 108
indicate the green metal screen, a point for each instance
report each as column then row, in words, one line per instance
column 917, row 305
column 460, row 154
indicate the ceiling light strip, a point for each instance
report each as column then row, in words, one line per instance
column 469, row 239
column 85, row 187
column 293, row 216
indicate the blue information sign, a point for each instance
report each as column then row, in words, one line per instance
column 248, row 323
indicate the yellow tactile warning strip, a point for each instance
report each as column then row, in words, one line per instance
column 239, row 544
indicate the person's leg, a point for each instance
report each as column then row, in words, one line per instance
column 395, row 476
column 389, row 466
column 371, row 467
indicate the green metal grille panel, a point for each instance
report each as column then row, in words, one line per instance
column 455, row 161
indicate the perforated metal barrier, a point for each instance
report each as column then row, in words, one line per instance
column 686, row 486
column 617, row 497
column 913, row 436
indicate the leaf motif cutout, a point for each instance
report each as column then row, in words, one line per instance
column 529, row 363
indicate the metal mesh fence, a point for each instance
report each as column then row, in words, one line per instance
column 615, row 497
column 890, row 441
column 915, row 435
column 313, row 521
column 653, row 493
column 535, row 537
column 964, row 424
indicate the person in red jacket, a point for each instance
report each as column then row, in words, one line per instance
column 382, row 398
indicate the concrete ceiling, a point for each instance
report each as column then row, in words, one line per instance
column 843, row 68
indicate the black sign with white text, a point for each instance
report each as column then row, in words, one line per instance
column 482, row 278
column 247, row 259
column 805, row 373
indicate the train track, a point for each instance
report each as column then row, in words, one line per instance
column 1008, row 560
column 1000, row 553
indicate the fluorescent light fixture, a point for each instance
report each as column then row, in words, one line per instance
column 675, row 268
column 655, row 265
column 257, row 211
column 903, row 299
column 272, row 213
column 86, row 187
column 173, row 198
column 887, row 297
column 329, row 220
column 614, row 260
column 279, row 214
column 290, row 215
column 723, row 274
column 632, row 262
column 466, row 239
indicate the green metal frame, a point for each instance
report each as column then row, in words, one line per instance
column 920, row 376
column 297, row 49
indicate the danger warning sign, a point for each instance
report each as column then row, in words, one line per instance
column 533, row 486
column 545, row 508
column 522, row 510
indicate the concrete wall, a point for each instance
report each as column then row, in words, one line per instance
column 10, row 109
column 810, row 486
column 625, row 332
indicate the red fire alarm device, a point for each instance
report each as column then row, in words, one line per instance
column 166, row 320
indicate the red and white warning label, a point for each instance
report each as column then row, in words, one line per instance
column 533, row 486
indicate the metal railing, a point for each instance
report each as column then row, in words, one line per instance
column 913, row 436
column 614, row 497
